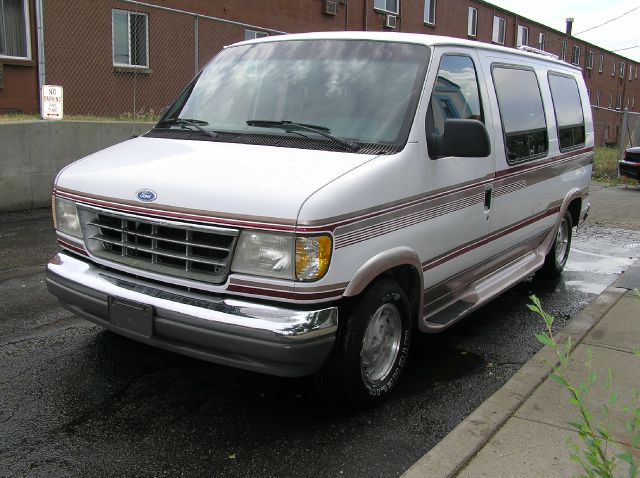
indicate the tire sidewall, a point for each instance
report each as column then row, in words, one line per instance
column 359, row 389
column 560, row 265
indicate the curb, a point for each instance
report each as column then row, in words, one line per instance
column 455, row 450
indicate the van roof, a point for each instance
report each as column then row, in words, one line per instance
column 417, row 38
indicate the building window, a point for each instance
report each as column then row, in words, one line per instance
column 563, row 50
column 430, row 12
column 130, row 38
column 499, row 30
column 523, row 121
column 472, row 22
column 610, row 100
column 15, row 41
column 589, row 95
column 598, row 98
column 601, row 66
column 589, row 60
column 541, row 41
column 633, row 102
column 630, row 71
column 636, row 73
column 618, row 101
column 523, row 35
column 391, row 6
column 575, row 55
column 621, row 71
column 253, row 34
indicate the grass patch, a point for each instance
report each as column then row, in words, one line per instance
column 605, row 165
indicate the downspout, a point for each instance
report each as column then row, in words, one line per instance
column 346, row 16
column 365, row 15
column 40, row 41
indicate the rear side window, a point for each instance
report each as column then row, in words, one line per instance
column 568, row 109
column 523, row 121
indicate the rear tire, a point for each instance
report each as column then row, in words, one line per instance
column 557, row 257
column 371, row 348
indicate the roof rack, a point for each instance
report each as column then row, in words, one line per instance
column 537, row 51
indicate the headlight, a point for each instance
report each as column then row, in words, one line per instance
column 65, row 217
column 282, row 256
column 264, row 254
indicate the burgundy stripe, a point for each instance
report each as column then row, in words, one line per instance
column 474, row 245
column 533, row 165
column 175, row 215
column 404, row 221
column 332, row 226
column 325, row 227
column 285, row 295
column 73, row 248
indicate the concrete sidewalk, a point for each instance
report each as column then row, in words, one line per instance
column 522, row 430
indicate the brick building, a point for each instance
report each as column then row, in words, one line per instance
column 117, row 57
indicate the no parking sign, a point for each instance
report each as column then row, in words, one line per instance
column 51, row 102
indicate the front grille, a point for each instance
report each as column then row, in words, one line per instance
column 171, row 248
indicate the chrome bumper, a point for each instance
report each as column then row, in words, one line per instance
column 253, row 336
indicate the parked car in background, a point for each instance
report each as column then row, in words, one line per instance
column 629, row 166
column 311, row 201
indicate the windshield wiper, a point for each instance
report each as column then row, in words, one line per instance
column 188, row 122
column 293, row 126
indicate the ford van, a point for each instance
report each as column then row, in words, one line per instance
column 312, row 201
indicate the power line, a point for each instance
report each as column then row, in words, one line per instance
column 553, row 40
column 627, row 48
column 608, row 21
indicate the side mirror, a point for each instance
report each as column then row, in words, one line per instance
column 466, row 138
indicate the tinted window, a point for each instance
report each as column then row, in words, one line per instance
column 568, row 109
column 522, row 113
column 455, row 93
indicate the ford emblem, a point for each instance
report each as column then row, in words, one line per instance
column 146, row 195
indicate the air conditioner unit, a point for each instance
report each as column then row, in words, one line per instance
column 330, row 7
column 390, row 21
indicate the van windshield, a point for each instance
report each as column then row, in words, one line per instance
column 360, row 91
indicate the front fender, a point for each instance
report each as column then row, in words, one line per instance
column 380, row 263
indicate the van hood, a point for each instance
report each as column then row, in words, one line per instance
column 260, row 183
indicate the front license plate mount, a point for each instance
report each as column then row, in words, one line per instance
column 131, row 316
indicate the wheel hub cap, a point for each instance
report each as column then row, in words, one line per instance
column 381, row 343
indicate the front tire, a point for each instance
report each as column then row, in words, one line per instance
column 557, row 257
column 371, row 348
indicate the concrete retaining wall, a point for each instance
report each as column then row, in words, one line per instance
column 32, row 153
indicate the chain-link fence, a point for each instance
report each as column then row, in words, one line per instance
column 127, row 60
column 630, row 131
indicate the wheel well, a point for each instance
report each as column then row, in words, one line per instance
column 407, row 277
column 574, row 209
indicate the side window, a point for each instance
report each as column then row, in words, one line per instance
column 455, row 93
column 523, row 122
column 568, row 110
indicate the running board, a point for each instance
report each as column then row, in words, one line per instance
column 480, row 292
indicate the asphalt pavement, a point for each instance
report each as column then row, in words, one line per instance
column 76, row 400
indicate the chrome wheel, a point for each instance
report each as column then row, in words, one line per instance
column 381, row 343
column 562, row 241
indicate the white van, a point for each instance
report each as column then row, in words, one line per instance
column 310, row 201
